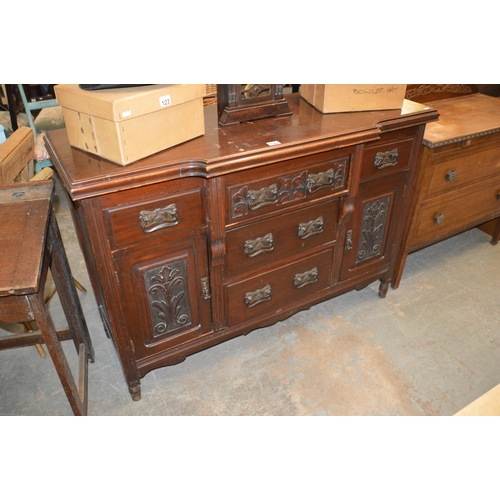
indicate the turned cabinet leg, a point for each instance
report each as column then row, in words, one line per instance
column 382, row 291
column 496, row 233
column 135, row 392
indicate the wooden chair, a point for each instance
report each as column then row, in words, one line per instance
column 31, row 247
column 43, row 115
column 16, row 157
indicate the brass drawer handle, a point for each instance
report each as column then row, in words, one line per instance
column 451, row 175
column 386, row 159
column 262, row 197
column 253, row 299
column 264, row 244
column 321, row 180
column 438, row 219
column 159, row 219
column 308, row 229
column 308, row 278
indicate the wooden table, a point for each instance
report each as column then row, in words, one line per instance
column 31, row 245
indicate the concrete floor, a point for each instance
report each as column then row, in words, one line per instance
column 430, row 348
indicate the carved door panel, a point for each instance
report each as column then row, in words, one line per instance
column 166, row 294
column 374, row 226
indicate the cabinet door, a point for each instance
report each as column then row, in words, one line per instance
column 374, row 226
column 166, row 297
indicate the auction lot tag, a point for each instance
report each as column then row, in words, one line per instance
column 165, row 101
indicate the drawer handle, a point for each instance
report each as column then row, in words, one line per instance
column 321, row 180
column 451, row 175
column 159, row 219
column 438, row 219
column 386, row 159
column 262, row 197
column 308, row 229
column 253, row 299
column 308, row 278
column 264, row 244
column 498, row 196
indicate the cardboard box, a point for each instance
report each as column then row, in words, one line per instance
column 341, row 98
column 127, row 124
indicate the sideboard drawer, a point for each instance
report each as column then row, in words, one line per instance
column 275, row 290
column 391, row 154
column 458, row 171
column 261, row 243
column 286, row 184
column 453, row 211
column 149, row 213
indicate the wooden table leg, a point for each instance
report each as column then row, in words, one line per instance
column 77, row 401
column 61, row 274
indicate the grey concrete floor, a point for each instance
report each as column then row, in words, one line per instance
column 429, row 348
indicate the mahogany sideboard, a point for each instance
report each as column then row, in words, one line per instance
column 243, row 226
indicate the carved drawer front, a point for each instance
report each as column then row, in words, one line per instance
column 285, row 236
column 275, row 290
column 285, row 184
column 153, row 211
column 457, row 210
column 390, row 154
column 456, row 172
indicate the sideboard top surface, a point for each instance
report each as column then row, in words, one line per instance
column 226, row 149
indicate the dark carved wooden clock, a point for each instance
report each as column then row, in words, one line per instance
column 244, row 102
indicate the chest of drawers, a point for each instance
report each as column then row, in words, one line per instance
column 461, row 169
column 242, row 227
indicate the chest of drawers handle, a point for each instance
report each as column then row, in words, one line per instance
column 438, row 219
column 253, row 299
column 263, row 244
column 386, row 159
column 324, row 179
column 159, row 218
column 307, row 278
column 451, row 175
column 308, row 229
column 262, row 197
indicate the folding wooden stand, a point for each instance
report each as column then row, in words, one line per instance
column 31, row 245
